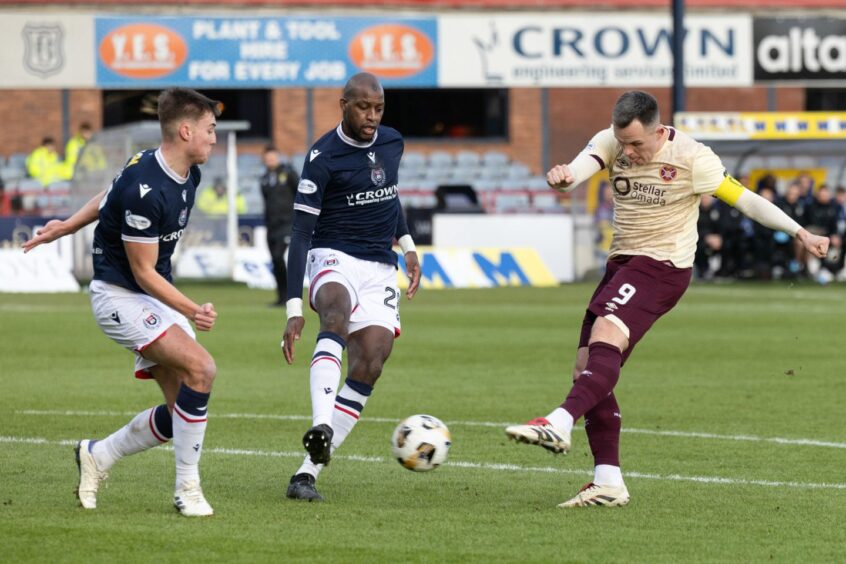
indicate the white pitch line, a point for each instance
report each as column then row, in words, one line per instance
column 479, row 466
column 494, row 424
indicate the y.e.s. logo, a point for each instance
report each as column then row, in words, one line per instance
column 143, row 51
column 391, row 50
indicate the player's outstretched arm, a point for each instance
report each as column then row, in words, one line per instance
column 57, row 228
column 142, row 260
column 769, row 215
column 565, row 177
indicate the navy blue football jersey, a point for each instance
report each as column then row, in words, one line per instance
column 146, row 203
column 352, row 188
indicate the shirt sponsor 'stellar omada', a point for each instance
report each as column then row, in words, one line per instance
column 146, row 203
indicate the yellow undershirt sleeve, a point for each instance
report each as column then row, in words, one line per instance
column 729, row 190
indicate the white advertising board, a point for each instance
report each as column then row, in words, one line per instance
column 572, row 49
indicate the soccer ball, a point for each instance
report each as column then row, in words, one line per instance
column 421, row 443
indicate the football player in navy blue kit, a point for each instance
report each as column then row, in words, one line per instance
column 346, row 215
column 141, row 217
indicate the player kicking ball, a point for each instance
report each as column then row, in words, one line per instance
column 346, row 215
column 658, row 175
column 141, row 218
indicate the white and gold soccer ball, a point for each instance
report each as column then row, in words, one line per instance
column 421, row 443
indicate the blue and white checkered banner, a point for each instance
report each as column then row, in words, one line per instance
column 265, row 52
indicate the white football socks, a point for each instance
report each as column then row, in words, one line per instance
column 136, row 436
column 324, row 376
column 348, row 407
column 561, row 419
column 190, row 417
column 607, row 475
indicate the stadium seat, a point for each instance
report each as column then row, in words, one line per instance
column 465, row 174
column 11, row 174
column 468, row 159
column 484, row 185
column 518, row 171
column 17, row 160
column 440, row 159
column 495, row 158
column 29, row 186
column 438, row 174
column 413, row 159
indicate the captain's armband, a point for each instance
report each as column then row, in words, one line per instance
column 729, row 190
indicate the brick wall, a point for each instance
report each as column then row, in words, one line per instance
column 30, row 115
column 577, row 113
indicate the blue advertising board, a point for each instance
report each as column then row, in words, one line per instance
column 263, row 52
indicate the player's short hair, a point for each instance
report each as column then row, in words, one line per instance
column 635, row 105
column 270, row 149
column 177, row 104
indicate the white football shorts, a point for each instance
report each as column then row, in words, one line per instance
column 372, row 287
column 133, row 320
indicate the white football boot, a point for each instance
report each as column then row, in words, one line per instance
column 189, row 500
column 594, row 495
column 89, row 475
column 541, row 432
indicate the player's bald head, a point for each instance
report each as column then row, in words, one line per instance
column 362, row 85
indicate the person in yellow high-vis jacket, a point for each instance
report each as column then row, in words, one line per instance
column 43, row 163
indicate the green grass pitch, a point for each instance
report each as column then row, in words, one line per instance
column 734, row 438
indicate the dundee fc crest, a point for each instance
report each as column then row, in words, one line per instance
column 43, row 49
column 377, row 175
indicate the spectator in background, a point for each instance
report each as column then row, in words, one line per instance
column 763, row 244
column 793, row 205
column 710, row 241
column 43, row 163
column 213, row 201
column 806, row 188
column 278, row 188
column 736, row 241
column 822, row 220
column 767, row 181
column 74, row 147
column 840, row 202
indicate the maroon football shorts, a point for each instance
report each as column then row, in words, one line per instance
column 637, row 290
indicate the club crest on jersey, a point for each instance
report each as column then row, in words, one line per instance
column 184, row 197
column 331, row 261
column 183, row 217
column 623, row 161
column 152, row 321
column 377, row 176
column 668, row 173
